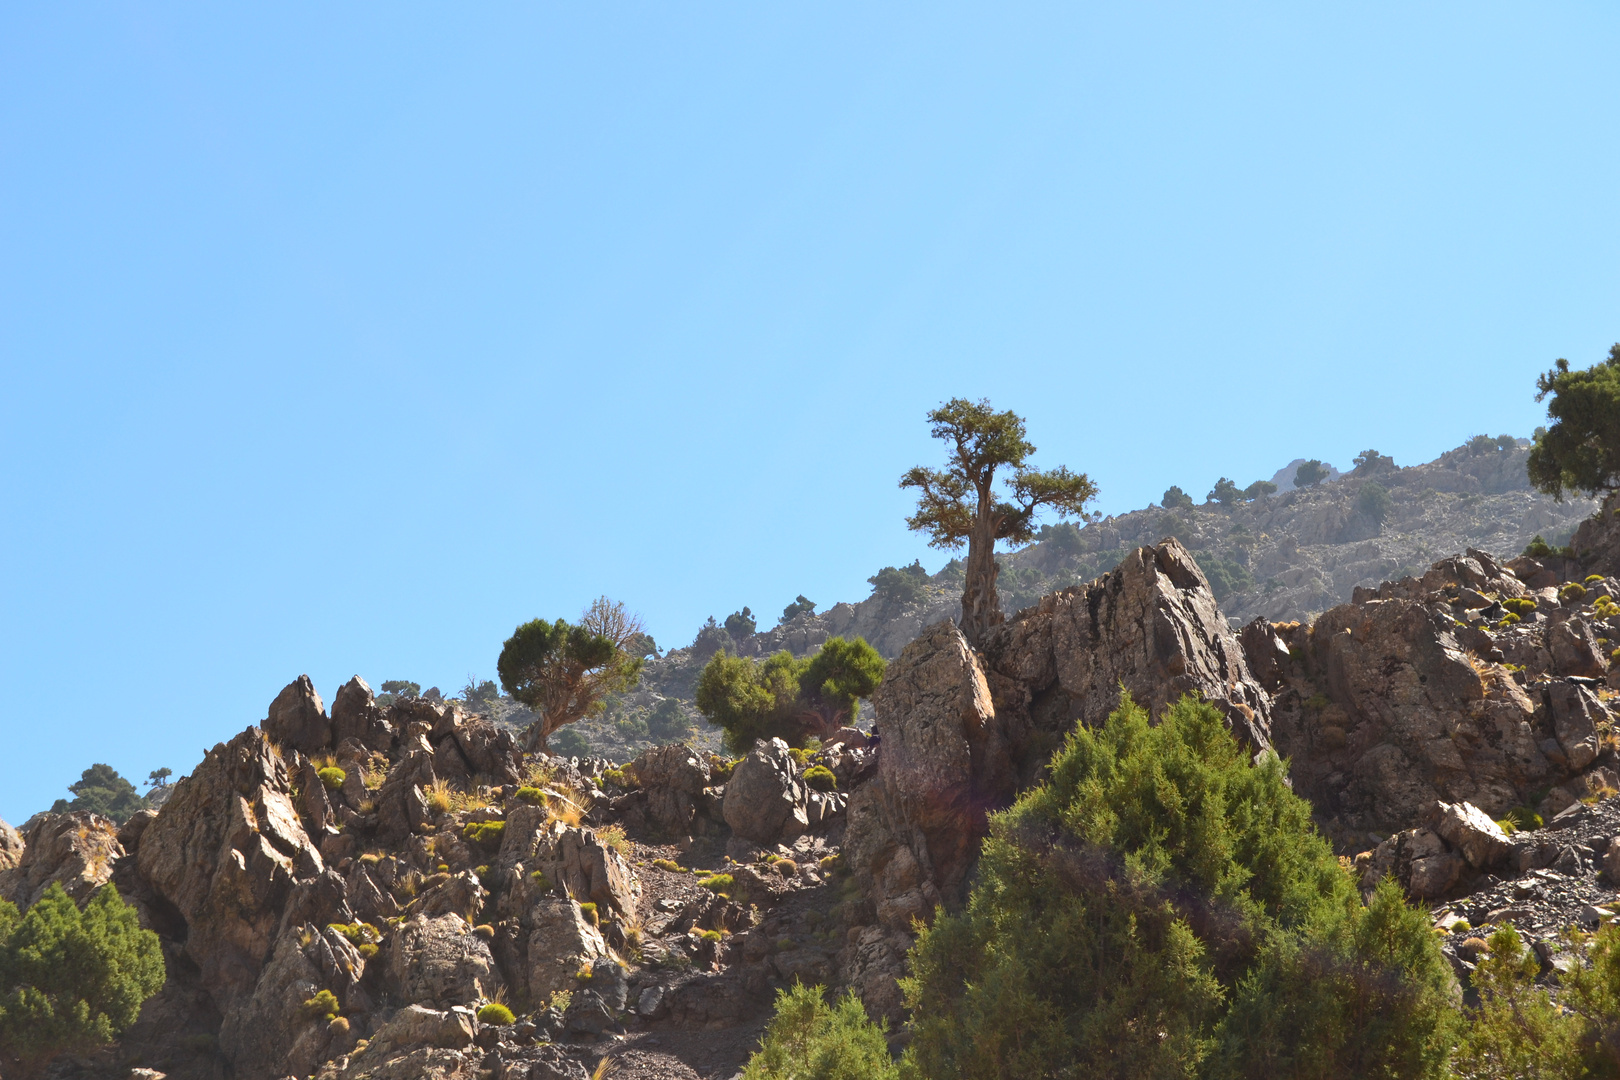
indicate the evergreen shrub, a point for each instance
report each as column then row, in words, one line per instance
column 811, row 1040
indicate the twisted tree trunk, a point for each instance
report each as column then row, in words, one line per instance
column 981, row 607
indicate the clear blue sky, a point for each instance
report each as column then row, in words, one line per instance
column 342, row 339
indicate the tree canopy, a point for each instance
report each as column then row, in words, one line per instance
column 802, row 605
column 1258, row 489
column 1580, row 449
column 72, row 980
column 960, row 504
column 564, row 671
column 788, row 698
column 101, row 790
column 1175, row 499
column 1310, row 474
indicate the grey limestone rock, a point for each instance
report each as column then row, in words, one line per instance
column 766, row 796
column 440, row 962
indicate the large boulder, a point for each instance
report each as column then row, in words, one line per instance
column 944, row 762
column 1575, row 649
column 225, row 854
column 418, row 1025
column 572, row 858
column 401, row 805
column 1576, row 711
column 298, row 719
column 1413, row 719
column 356, row 715
column 1471, row 831
column 673, row 778
column 561, row 942
column 74, row 850
column 766, row 796
column 440, row 962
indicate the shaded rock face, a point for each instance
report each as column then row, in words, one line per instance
column 225, row 854
column 673, row 778
column 77, row 850
column 963, row 732
column 356, row 715
column 272, row 1033
column 298, row 719
column 765, row 797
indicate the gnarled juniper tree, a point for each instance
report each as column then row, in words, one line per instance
column 960, row 503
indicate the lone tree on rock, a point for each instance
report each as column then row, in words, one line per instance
column 959, row 504
column 1580, row 450
column 1310, row 474
column 563, row 671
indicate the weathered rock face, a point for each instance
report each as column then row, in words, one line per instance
column 1409, row 719
column 298, row 719
column 962, row 734
column 1471, row 832
column 356, row 715
column 1151, row 626
column 561, row 941
column 440, row 962
column 1576, row 711
column 673, row 778
column 76, row 850
column 765, row 797
column 11, row 849
column 272, row 1033
column 225, row 854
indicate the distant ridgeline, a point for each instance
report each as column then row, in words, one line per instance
column 1286, row 555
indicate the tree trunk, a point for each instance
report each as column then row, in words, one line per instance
column 981, row 607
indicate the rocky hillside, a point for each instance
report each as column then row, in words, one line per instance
column 342, row 894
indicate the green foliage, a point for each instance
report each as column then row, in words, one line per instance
column 669, row 865
column 532, row 795
column 1517, row 1032
column 900, row 585
column 159, row 777
column 821, row 778
column 591, row 914
column 323, row 1006
column 720, row 883
column 332, row 777
column 740, row 624
column 102, row 791
column 1371, row 462
column 495, row 1013
column 398, row 690
column 668, row 721
column 1373, row 501
column 1538, row 548
column 1225, row 492
column 1175, row 499
column 1226, row 576
column 563, row 672
column 1162, row 906
column 784, row 697
column 1259, row 489
column 1573, row 591
column 571, row 742
column 1310, row 474
column 488, row 833
column 810, row 1040
column 72, row 980
column 1580, row 450
column 622, row 779
column 1520, row 605
column 802, row 605
column 480, row 694
column 1524, row 819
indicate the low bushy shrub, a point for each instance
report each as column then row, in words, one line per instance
column 323, row 1006
column 821, row 778
column 495, row 1013
column 1573, row 591
column 532, row 795
column 1520, row 606
column 720, row 883
column 590, row 913
column 670, row 865
column 332, row 778
column 811, row 1040
column 484, row 832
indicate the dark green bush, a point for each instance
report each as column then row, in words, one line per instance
column 484, row 832
column 1517, row 1032
column 1373, row 501
column 101, row 790
column 72, row 980
column 1538, row 548
column 784, row 697
column 1175, row 499
column 900, row 585
column 1162, row 906
column 810, row 1040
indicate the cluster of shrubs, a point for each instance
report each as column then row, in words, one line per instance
column 1162, row 906
column 786, row 697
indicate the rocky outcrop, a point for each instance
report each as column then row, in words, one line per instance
column 560, row 942
column 766, row 797
column 275, row 1032
column 356, row 715
column 962, row 734
column 75, row 850
column 11, row 849
column 298, row 719
column 225, row 854
column 673, row 779
column 440, row 962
